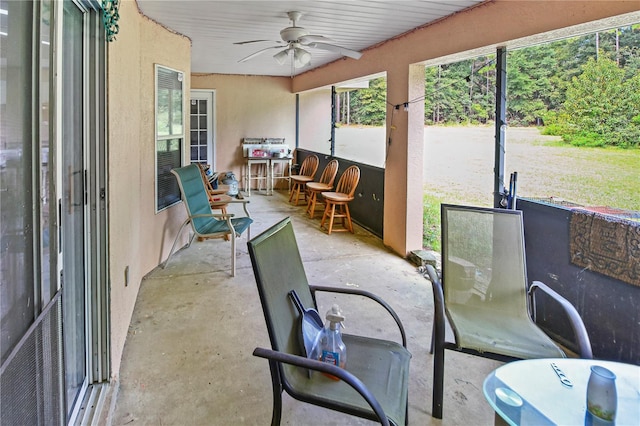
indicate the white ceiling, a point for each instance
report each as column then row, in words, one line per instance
column 213, row 27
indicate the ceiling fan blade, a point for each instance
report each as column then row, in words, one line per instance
column 256, row 41
column 314, row 39
column 254, row 54
column 338, row 49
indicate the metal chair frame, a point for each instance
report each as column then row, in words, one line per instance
column 446, row 334
column 378, row 370
column 204, row 223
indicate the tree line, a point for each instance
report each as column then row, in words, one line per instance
column 585, row 89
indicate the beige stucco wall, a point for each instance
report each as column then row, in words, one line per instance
column 248, row 107
column 255, row 106
column 138, row 237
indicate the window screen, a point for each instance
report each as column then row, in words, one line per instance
column 169, row 134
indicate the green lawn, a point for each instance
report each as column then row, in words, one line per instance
column 546, row 168
column 612, row 180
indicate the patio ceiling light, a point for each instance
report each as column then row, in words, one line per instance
column 301, row 57
column 281, row 57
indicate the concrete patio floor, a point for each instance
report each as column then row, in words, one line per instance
column 188, row 356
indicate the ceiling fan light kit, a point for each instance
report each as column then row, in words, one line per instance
column 301, row 57
column 281, row 57
column 297, row 39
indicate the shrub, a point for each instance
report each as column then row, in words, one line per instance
column 554, row 129
column 601, row 107
column 585, row 139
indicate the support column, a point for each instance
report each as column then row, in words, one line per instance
column 501, row 125
column 297, row 122
column 403, row 186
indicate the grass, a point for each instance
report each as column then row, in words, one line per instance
column 431, row 220
column 610, row 177
column 587, row 176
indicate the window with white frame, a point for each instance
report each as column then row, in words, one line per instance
column 169, row 134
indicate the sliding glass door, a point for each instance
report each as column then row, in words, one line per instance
column 53, row 197
column 73, row 202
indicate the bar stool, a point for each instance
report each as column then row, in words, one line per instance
column 324, row 184
column 340, row 200
column 299, row 181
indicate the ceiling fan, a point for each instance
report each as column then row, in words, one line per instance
column 296, row 40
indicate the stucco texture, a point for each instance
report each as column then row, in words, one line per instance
column 248, row 107
column 138, row 237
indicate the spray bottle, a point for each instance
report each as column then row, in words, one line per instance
column 332, row 350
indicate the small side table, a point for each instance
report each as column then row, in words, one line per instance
column 531, row 392
column 263, row 166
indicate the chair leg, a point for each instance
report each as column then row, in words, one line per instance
column 437, row 343
column 331, row 218
column 233, row 253
column 311, row 205
column 348, row 216
column 276, row 415
column 295, row 195
column 224, row 211
column 163, row 264
column 433, row 338
column 438, row 381
column 248, row 180
column 293, row 190
column 317, row 200
column 324, row 214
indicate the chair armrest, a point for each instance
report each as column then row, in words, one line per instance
column 341, row 373
column 216, row 215
column 574, row 317
column 366, row 294
column 244, row 205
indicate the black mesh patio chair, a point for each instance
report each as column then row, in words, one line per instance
column 374, row 383
column 481, row 303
